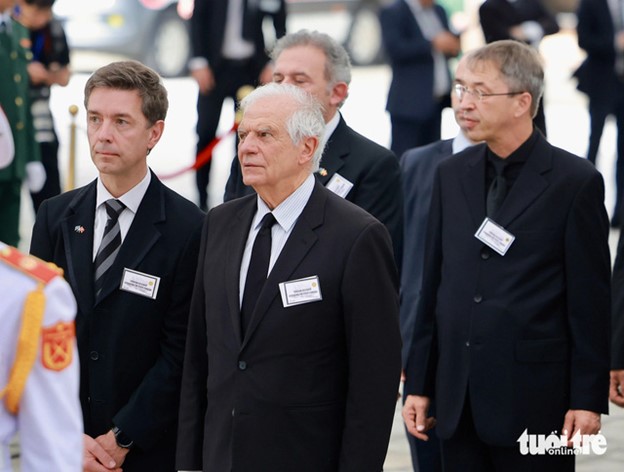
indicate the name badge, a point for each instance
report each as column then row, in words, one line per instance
column 339, row 185
column 297, row 292
column 139, row 283
column 495, row 236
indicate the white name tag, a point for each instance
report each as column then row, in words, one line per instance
column 297, row 292
column 139, row 283
column 495, row 236
column 339, row 185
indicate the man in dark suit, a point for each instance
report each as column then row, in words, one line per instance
column 418, row 43
column 128, row 246
column 229, row 52
column 303, row 375
column 418, row 167
column 512, row 331
column 616, row 390
column 601, row 77
column 352, row 166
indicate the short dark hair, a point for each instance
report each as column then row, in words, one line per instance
column 40, row 3
column 132, row 75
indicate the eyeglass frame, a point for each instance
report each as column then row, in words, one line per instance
column 460, row 90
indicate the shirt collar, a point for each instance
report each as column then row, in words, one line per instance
column 461, row 142
column 132, row 198
column 287, row 212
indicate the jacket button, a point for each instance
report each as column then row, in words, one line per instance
column 478, row 298
column 485, row 254
column 242, row 365
column 467, row 343
column 94, row 355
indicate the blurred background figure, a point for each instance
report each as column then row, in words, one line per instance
column 15, row 55
column 49, row 66
column 600, row 32
column 418, row 42
column 229, row 52
column 523, row 20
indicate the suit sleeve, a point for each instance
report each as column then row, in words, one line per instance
column 588, row 297
column 370, row 306
column 200, row 29
column 422, row 357
column 193, row 399
column 40, row 242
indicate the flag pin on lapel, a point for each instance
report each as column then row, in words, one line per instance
column 79, row 229
column 322, row 172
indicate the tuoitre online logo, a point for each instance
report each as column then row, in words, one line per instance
column 554, row 445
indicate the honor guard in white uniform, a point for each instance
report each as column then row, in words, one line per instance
column 38, row 366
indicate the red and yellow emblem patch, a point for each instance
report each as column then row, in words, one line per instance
column 57, row 345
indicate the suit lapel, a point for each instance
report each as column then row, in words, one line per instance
column 300, row 242
column 77, row 230
column 336, row 150
column 141, row 237
column 237, row 236
column 473, row 182
column 529, row 185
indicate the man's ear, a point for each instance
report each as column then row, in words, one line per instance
column 156, row 132
column 524, row 101
column 339, row 93
column 308, row 148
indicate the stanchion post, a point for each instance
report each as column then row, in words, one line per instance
column 71, row 172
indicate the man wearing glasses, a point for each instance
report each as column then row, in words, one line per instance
column 512, row 330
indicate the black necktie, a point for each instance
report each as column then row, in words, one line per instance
column 111, row 242
column 258, row 270
column 497, row 191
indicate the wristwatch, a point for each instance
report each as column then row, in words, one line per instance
column 121, row 438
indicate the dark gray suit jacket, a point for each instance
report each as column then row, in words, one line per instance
column 131, row 347
column 310, row 387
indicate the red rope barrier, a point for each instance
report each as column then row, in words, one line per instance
column 204, row 156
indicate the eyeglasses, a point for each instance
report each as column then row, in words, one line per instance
column 461, row 91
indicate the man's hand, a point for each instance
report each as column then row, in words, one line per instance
column 96, row 459
column 616, row 389
column 581, row 422
column 415, row 413
column 204, row 78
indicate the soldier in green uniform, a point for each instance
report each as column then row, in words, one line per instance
column 15, row 54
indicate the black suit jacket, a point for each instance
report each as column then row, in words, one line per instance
column 373, row 170
column 497, row 17
column 527, row 334
column 311, row 387
column 596, row 75
column 131, row 347
column 418, row 167
column 208, row 31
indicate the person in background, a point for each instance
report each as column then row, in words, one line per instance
column 352, row 166
column 49, row 66
column 15, row 55
column 293, row 352
column 128, row 246
column 600, row 32
column 229, row 52
column 418, row 167
column 419, row 43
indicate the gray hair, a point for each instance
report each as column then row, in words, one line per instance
column 307, row 119
column 519, row 64
column 337, row 62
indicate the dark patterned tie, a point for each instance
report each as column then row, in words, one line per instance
column 497, row 191
column 111, row 242
column 258, row 270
